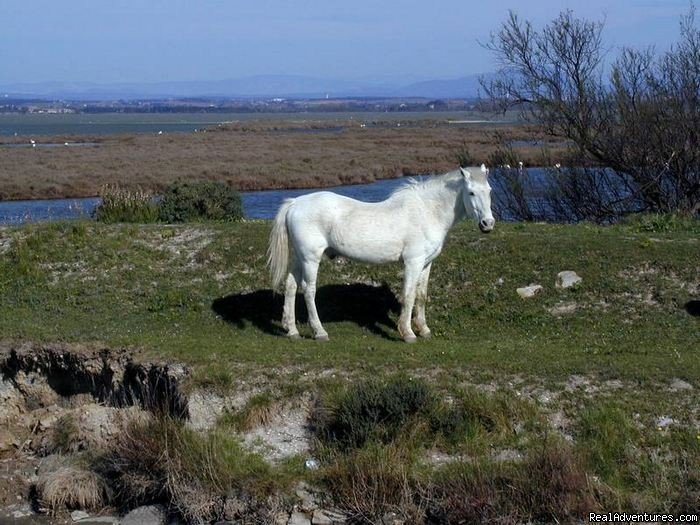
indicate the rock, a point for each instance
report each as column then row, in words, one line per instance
column 204, row 408
column 391, row 518
column 11, row 401
column 664, row 422
column 311, row 464
column 7, row 440
column 319, row 518
column 146, row 515
column 563, row 309
column 306, row 497
column 78, row 515
column 336, row 516
column 529, row 291
column 36, row 389
column 567, row 279
column 678, row 385
column 297, row 518
column 18, row 511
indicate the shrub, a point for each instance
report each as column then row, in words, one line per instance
column 464, row 157
column 123, row 205
column 183, row 202
column 637, row 115
column 373, row 410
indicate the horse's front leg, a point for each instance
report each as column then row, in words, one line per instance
column 410, row 282
column 421, row 298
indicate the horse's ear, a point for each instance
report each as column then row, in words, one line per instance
column 484, row 170
column 465, row 173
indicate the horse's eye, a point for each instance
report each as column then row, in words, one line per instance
column 471, row 193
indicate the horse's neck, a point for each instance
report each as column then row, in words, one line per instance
column 449, row 207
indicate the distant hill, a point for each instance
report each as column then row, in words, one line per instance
column 287, row 86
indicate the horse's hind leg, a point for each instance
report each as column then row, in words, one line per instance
column 309, row 273
column 290, row 293
column 421, row 298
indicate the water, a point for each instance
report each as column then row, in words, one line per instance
column 114, row 123
column 256, row 204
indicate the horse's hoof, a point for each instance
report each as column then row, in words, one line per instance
column 410, row 338
column 294, row 337
column 426, row 334
column 321, row 337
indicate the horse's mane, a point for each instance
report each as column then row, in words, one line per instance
column 436, row 182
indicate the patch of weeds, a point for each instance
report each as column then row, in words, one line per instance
column 606, row 437
column 662, row 223
column 258, row 411
column 169, row 299
column 205, row 477
column 473, row 416
column 370, row 482
column 551, row 485
column 64, row 434
column 124, row 205
column 213, row 377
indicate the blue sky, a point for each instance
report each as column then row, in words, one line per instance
column 163, row 40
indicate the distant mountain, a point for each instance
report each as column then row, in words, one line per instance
column 463, row 87
column 287, row 86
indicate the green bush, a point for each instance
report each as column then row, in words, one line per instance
column 123, row 205
column 193, row 201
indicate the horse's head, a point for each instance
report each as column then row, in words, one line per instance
column 476, row 196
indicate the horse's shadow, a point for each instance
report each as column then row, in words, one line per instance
column 365, row 305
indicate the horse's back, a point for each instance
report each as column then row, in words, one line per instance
column 370, row 232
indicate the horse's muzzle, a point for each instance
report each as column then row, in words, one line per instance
column 486, row 225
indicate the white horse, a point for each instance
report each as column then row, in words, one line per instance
column 409, row 226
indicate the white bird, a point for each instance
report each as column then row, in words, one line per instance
column 557, row 165
column 507, row 166
column 160, row 133
column 32, row 143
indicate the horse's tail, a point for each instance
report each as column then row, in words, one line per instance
column 278, row 251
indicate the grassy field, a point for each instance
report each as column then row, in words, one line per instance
column 597, row 367
column 263, row 154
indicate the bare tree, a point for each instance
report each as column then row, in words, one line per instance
column 638, row 118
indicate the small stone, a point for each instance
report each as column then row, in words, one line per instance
column 78, row 515
column 146, row 515
column 319, row 518
column 567, row 279
column 297, row 518
column 529, row 291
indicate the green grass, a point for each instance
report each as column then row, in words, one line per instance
column 200, row 294
column 499, row 369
